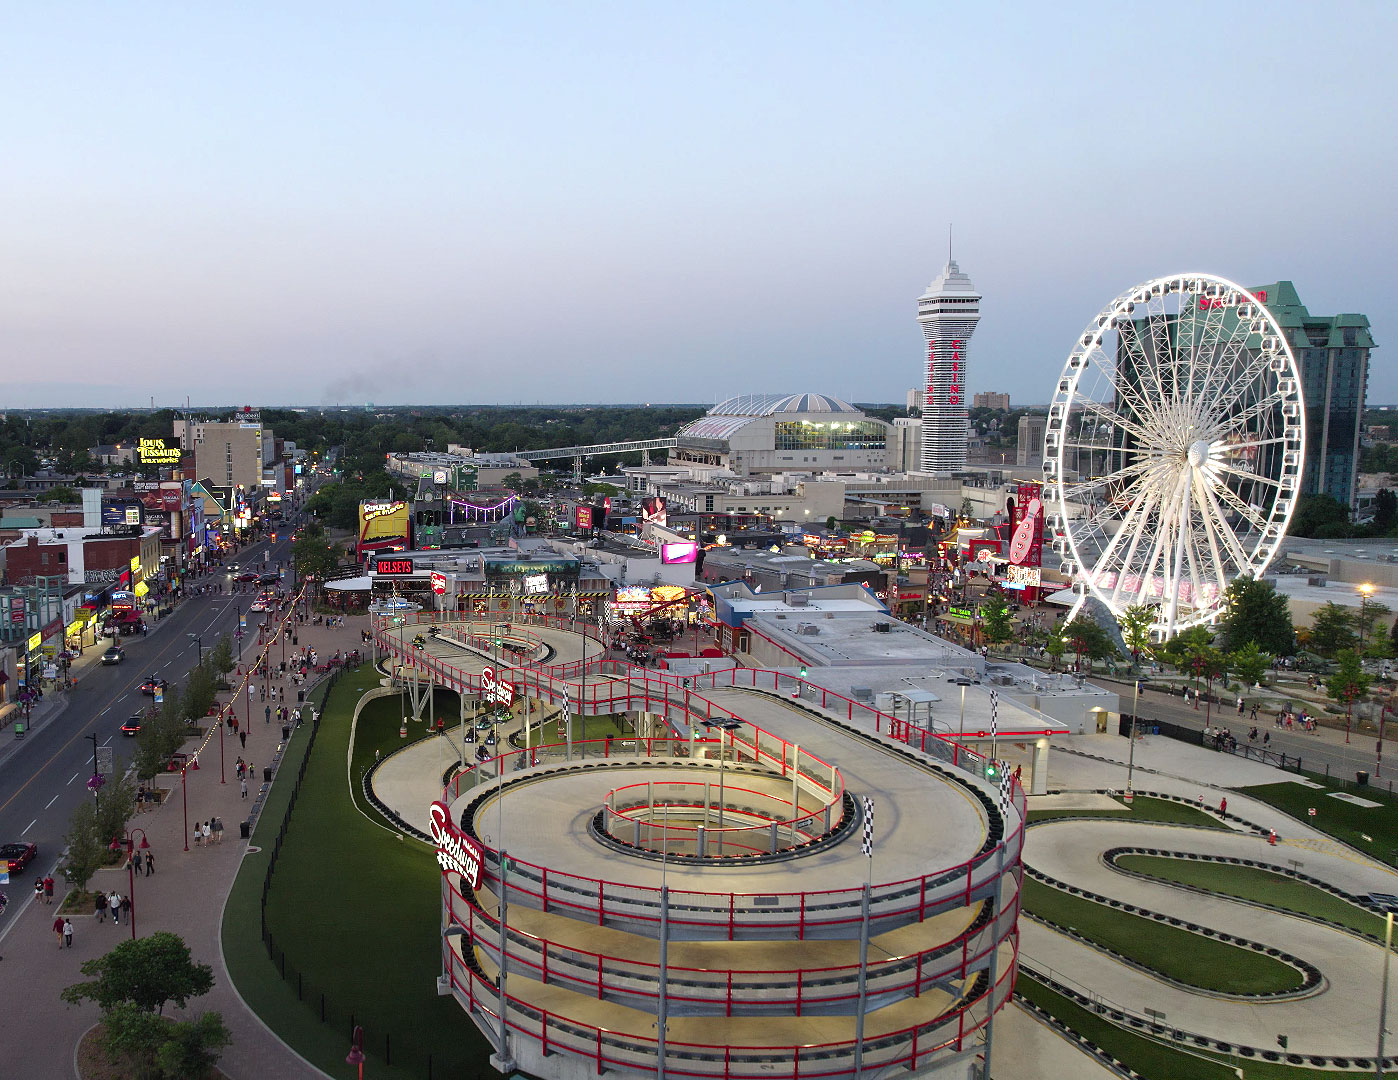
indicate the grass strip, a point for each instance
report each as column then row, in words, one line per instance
column 357, row 911
column 1370, row 829
column 1158, row 1061
column 1255, row 884
column 1142, row 808
column 1171, row 951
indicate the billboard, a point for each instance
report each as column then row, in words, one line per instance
column 393, row 566
column 383, row 524
column 684, row 551
column 653, row 510
column 163, row 451
column 121, row 512
column 583, row 517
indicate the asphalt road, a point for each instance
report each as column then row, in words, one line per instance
column 45, row 777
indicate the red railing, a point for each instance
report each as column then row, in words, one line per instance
column 910, row 1047
column 802, row 989
column 792, row 821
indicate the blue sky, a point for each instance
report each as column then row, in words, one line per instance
column 349, row 202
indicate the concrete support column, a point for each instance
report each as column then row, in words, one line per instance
column 1038, row 770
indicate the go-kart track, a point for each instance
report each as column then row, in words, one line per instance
column 693, row 897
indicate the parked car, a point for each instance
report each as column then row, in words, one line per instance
column 246, row 576
column 18, row 856
column 133, row 724
column 151, row 685
column 115, row 655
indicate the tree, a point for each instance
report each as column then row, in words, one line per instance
column 1135, row 623
column 147, row 972
column 1348, row 683
column 1254, row 611
column 221, row 658
column 1332, row 630
column 192, row 1048
column 1365, row 620
column 62, row 495
column 87, row 851
column 832, row 523
column 996, row 624
column 199, row 693
column 312, row 553
column 1249, row 664
column 1207, row 663
column 1055, row 646
column 1180, row 649
column 1320, row 516
column 1089, row 639
column 1385, row 510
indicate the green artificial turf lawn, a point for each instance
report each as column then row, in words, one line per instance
column 1171, row 951
column 1263, row 886
column 1142, row 808
column 357, row 912
column 1344, row 821
column 1157, row 1061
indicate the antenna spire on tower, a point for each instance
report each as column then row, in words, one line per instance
column 948, row 241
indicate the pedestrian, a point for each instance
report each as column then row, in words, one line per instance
column 48, row 890
column 1223, row 806
column 209, row 832
column 150, row 863
column 67, row 934
column 198, row 834
column 218, row 830
column 100, row 903
column 38, row 891
column 58, row 930
column 243, row 787
column 126, row 907
column 243, row 739
column 268, row 712
column 114, row 902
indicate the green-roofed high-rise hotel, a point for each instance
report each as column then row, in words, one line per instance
column 1332, row 352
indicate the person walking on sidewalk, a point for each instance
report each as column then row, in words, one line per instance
column 48, row 890
column 100, row 903
column 67, row 934
column 38, row 890
column 126, row 907
column 243, row 787
column 114, row 902
column 58, row 930
column 150, row 862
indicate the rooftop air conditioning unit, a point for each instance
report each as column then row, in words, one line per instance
column 882, row 628
column 1318, row 580
column 861, row 693
column 1003, row 680
column 799, row 599
column 808, row 630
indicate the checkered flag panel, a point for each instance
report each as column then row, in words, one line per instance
column 994, row 713
column 866, row 846
column 1005, row 782
column 565, row 713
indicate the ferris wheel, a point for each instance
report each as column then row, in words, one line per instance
column 1173, row 448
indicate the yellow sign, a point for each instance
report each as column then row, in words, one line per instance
column 159, row 451
column 35, row 640
column 141, row 588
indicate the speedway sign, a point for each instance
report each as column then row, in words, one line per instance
column 502, row 693
column 456, row 852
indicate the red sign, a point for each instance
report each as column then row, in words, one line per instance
column 439, row 583
column 583, row 517
column 502, row 693
column 457, row 853
column 393, row 566
column 946, row 373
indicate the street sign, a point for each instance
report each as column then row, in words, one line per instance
column 242, row 621
column 439, row 583
column 105, row 760
column 159, row 695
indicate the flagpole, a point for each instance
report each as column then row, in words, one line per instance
column 867, row 849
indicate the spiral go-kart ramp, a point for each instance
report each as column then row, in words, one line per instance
column 699, row 901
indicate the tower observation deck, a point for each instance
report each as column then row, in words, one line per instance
column 948, row 312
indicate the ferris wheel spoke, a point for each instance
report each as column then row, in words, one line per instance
column 1244, row 474
column 1192, row 560
column 1116, row 420
column 1255, row 411
column 1241, row 507
column 1230, row 541
column 1129, row 340
column 1170, row 513
column 1138, row 532
column 1254, row 444
column 1251, row 373
column 1213, row 529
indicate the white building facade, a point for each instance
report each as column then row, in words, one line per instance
column 948, row 313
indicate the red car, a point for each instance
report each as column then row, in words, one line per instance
column 246, row 577
column 18, row 856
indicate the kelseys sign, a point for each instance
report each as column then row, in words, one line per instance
column 456, row 851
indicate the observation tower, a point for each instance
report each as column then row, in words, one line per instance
column 948, row 312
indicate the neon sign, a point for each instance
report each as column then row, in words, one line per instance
column 502, row 693
column 1023, row 539
column 457, row 853
column 370, row 510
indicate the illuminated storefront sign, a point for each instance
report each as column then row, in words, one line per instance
column 1023, row 576
column 158, row 451
column 393, row 566
column 383, row 524
column 502, row 693
column 684, row 551
column 456, row 852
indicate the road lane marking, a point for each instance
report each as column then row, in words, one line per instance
column 104, row 712
column 71, row 779
column 109, row 740
column 52, row 801
column 30, row 826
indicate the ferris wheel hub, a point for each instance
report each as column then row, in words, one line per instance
column 1199, row 453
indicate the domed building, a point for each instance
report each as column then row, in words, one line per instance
column 769, row 433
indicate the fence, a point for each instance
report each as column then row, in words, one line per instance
column 1195, row 737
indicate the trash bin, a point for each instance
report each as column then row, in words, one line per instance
column 245, row 829
column 266, row 774
column 286, row 732
column 300, row 697
column 1361, row 778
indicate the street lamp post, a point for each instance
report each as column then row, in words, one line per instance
column 1131, row 753
column 356, row 1052
column 129, row 842
column 1366, row 590
column 199, row 645
column 1383, row 986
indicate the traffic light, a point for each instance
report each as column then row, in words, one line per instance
column 803, row 671
column 990, row 771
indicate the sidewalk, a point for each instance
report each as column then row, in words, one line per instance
column 186, row 896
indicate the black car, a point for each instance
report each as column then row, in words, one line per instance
column 133, row 725
column 269, row 579
column 151, row 685
column 115, row 655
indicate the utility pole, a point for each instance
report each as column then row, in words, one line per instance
column 96, row 787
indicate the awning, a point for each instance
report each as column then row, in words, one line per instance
column 353, row 584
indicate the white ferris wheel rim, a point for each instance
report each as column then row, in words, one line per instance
column 1185, row 448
